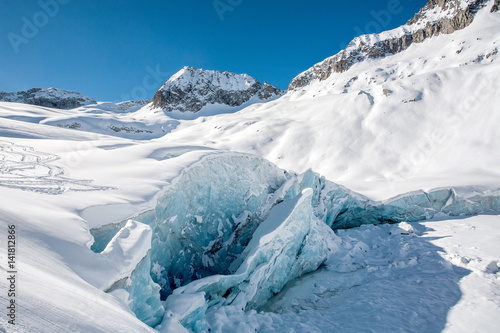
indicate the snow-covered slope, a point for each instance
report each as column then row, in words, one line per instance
column 131, row 119
column 425, row 116
column 50, row 97
column 191, row 89
column 128, row 216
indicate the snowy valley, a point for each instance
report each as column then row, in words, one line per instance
column 365, row 198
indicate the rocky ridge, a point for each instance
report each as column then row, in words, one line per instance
column 436, row 17
column 191, row 89
column 48, row 97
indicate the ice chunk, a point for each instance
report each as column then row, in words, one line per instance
column 492, row 268
column 127, row 274
column 288, row 244
column 205, row 220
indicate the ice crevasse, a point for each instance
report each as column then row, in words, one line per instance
column 233, row 229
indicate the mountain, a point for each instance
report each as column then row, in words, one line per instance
column 191, row 89
column 397, row 121
column 436, row 17
column 48, row 97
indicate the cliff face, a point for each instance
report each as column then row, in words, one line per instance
column 190, row 89
column 436, row 17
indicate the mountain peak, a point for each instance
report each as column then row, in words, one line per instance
column 190, row 89
column 436, row 17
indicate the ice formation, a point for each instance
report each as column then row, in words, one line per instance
column 127, row 260
column 233, row 229
column 288, row 244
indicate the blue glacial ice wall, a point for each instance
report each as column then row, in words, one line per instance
column 141, row 294
column 289, row 243
column 341, row 208
column 206, row 245
column 206, row 219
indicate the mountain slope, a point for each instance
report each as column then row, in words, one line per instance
column 426, row 113
column 436, row 17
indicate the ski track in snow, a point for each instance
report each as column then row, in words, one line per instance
column 24, row 168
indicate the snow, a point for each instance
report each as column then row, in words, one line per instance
column 194, row 76
column 436, row 127
column 380, row 281
column 178, row 224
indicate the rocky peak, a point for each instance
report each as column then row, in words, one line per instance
column 191, row 89
column 48, row 97
column 436, row 17
column 269, row 91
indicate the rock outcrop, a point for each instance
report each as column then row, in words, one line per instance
column 495, row 6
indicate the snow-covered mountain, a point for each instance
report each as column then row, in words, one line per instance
column 424, row 113
column 436, row 17
column 135, row 218
column 191, row 89
column 48, row 97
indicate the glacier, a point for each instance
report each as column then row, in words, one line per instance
column 288, row 244
column 232, row 229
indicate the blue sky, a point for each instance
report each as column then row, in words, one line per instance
column 115, row 50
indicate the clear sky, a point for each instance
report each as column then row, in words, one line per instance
column 123, row 49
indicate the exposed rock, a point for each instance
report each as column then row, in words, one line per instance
column 453, row 15
column 269, row 91
column 190, row 89
column 50, row 97
column 131, row 105
column 495, row 7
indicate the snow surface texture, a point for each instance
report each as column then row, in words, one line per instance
column 24, row 168
column 412, row 277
